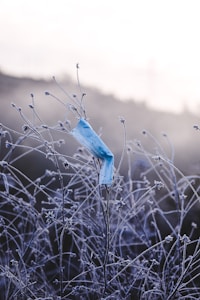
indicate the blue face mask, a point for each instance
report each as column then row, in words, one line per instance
column 88, row 138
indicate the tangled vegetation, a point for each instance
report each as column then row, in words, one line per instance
column 65, row 236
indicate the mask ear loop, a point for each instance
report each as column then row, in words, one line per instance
column 88, row 138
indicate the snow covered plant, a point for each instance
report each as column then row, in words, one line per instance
column 73, row 227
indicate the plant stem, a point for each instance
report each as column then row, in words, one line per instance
column 107, row 239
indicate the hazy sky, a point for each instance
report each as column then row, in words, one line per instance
column 143, row 49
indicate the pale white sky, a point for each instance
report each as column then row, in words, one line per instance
column 142, row 49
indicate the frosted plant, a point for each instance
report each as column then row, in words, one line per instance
column 72, row 232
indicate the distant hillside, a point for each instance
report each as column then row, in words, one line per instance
column 103, row 112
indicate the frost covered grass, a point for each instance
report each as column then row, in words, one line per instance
column 65, row 236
